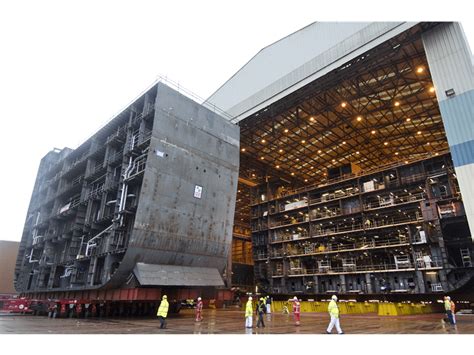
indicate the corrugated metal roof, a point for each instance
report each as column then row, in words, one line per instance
column 288, row 64
column 173, row 275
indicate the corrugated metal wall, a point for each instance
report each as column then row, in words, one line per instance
column 450, row 61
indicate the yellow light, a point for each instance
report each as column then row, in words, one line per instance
column 385, row 143
column 419, row 70
column 359, row 118
column 286, row 130
column 432, row 89
column 280, row 151
column 297, row 159
column 396, row 153
column 333, row 160
column 278, row 166
column 303, row 141
column 262, row 158
column 397, row 103
column 436, row 153
column 343, row 104
column 311, row 167
column 305, row 180
column 357, row 152
column 408, row 119
column 253, row 175
column 373, row 132
column 311, row 119
column 325, row 174
column 428, row 143
column 406, row 161
column 344, row 142
column 292, row 174
column 263, row 140
column 243, row 149
column 419, row 132
column 320, row 151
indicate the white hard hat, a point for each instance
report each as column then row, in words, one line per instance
column 334, row 297
column 199, row 298
column 448, row 298
column 295, row 298
column 250, row 298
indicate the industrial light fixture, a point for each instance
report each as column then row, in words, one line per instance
column 419, row 132
column 419, row 70
column 262, row 158
column 357, row 152
column 359, row 118
column 292, row 174
column 343, row 104
column 305, row 180
column 343, row 142
column 408, row 119
column 373, row 131
column 385, row 143
column 311, row 119
column 263, row 141
column 286, row 130
column 333, row 160
column 320, row 151
column 278, row 166
column 280, row 151
column 432, row 89
column 242, row 150
column 396, row 153
column 303, row 141
column 396, row 103
column 406, row 161
column 297, row 159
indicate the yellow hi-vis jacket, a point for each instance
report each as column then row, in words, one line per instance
column 248, row 309
column 447, row 305
column 333, row 309
column 163, row 309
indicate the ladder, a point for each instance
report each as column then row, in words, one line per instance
column 466, row 257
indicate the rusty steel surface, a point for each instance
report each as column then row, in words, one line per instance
column 190, row 147
column 232, row 322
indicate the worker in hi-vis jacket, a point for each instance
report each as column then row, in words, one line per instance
column 163, row 311
column 333, row 310
column 248, row 313
column 199, row 310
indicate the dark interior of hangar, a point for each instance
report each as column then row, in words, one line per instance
column 377, row 113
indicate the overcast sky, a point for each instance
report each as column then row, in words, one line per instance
column 67, row 67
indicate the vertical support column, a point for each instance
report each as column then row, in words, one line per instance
column 450, row 61
column 343, row 282
column 316, row 284
column 420, row 281
column 369, row 283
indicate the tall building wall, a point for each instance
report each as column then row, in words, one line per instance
column 8, row 253
column 452, row 70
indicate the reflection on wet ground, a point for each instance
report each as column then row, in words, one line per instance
column 233, row 322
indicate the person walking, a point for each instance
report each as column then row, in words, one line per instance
column 333, row 310
column 199, row 310
column 261, row 312
column 447, row 309
column 453, row 311
column 268, row 301
column 296, row 310
column 248, row 313
column 163, row 311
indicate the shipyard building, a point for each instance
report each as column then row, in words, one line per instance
column 356, row 158
column 351, row 175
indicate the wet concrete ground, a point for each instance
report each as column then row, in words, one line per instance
column 232, row 322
